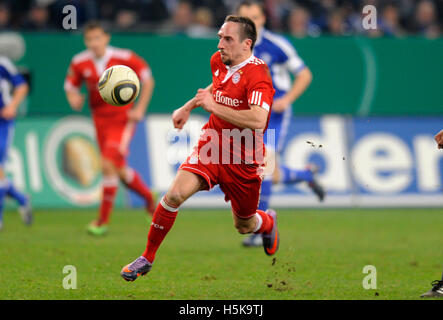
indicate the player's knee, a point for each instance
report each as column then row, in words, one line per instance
column 108, row 167
column 124, row 174
column 175, row 197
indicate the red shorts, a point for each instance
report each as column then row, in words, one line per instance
column 114, row 135
column 239, row 182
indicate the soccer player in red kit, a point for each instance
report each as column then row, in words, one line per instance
column 114, row 126
column 239, row 101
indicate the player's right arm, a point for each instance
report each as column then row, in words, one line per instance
column 181, row 115
column 73, row 83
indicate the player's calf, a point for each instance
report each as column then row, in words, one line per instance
column 132, row 180
column 108, row 167
column 265, row 224
column 244, row 226
column 109, row 192
column 162, row 222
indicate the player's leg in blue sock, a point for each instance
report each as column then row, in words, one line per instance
column 288, row 175
column 265, row 194
column 24, row 209
column 292, row 176
column 12, row 192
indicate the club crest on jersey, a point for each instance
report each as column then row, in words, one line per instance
column 236, row 77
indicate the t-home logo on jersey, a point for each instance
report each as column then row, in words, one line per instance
column 220, row 98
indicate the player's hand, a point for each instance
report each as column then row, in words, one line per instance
column 180, row 116
column 76, row 100
column 205, row 99
column 439, row 139
column 280, row 105
column 9, row 112
column 136, row 114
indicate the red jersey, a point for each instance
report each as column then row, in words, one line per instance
column 238, row 87
column 86, row 67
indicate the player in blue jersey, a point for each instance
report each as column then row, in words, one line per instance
column 283, row 61
column 13, row 89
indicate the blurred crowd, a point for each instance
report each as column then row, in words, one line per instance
column 200, row 18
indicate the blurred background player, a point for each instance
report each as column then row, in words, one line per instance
column 437, row 285
column 237, row 75
column 13, row 90
column 283, row 60
column 114, row 126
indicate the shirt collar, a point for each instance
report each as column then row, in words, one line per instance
column 241, row 64
column 106, row 56
column 232, row 70
column 101, row 63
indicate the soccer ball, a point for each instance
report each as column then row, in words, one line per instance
column 119, row 85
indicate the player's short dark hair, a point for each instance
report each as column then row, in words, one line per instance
column 248, row 3
column 92, row 25
column 247, row 28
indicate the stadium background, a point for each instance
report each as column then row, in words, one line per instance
column 370, row 113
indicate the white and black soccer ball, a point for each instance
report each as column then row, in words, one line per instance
column 119, row 85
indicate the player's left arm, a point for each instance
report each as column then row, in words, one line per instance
column 254, row 118
column 147, row 83
column 181, row 115
column 302, row 79
column 20, row 90
column 259, row 95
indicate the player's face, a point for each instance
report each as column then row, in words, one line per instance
column 232, row 48
column 97, row 40
column 255, row 13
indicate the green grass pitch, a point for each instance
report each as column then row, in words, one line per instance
column 322, row 255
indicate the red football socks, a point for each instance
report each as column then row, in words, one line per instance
column 162, row 221
column 110, row 187
column 267, row 223
column 135, row 183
